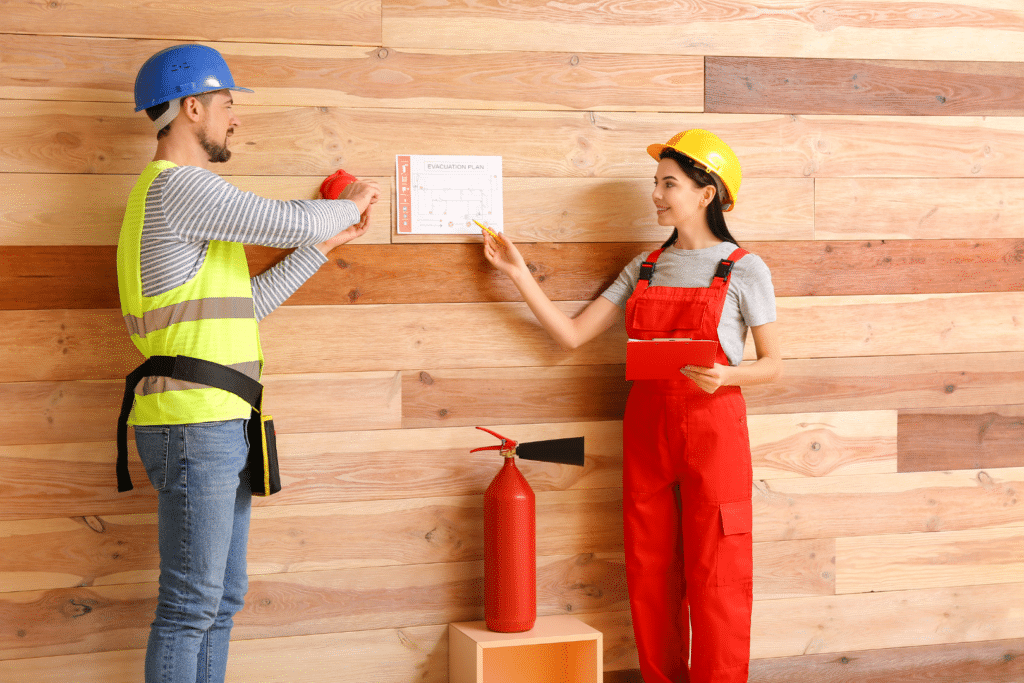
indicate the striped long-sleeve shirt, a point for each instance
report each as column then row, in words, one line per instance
column 188, row 206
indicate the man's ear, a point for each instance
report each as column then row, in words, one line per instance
column 193, row 108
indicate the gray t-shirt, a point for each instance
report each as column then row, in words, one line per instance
column 749, row 302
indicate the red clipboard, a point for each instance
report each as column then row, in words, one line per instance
column 661, row 359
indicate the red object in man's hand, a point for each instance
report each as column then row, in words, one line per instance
column 332, row 186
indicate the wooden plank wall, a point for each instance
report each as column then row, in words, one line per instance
column 883, row 186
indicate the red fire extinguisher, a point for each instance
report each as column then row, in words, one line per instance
column 510, row 532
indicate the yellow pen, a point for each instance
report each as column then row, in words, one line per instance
column 488, row 230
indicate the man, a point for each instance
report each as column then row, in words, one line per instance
column 185, row 291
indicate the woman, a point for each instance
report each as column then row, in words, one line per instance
column 686, row 454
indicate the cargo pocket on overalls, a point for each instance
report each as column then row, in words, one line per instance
column 649, row 316
column 735, row 549
column 152, row 443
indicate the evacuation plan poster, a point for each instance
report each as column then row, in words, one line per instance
column 443, row 195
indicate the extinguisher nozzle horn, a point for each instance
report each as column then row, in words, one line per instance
column 569, row 451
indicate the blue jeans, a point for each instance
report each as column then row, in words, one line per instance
column 204, row 503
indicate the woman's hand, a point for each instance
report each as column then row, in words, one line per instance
column 708, row 379
column 504, row 256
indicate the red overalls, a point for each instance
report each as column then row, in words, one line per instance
column 687, row 481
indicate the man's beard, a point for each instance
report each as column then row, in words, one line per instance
column 218, row 153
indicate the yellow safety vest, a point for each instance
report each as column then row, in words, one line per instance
column 210, row 317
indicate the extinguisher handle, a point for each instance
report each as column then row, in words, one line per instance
column 506, row 445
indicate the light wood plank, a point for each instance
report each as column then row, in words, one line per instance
column 115, row 549
column 869, row 621
column 971, row 29
column 69, row 344
column 388, row 656
column 72, row 344
column 90, row 208
column 822, row 444
column 790, row 569
column 73, row 412
column 66, row 412
column 961, row 438
column 837, row 86
column 612, row 210
column 925, row 208
column 315, row 468
column 103, row 138
column 780, row 628
column 97, row 69
column 298, row 21
column 995, row 661
column 80, row 620
column 36, row 483
column 415, row 653
column 833, row 507
column 897, row 382
column 894, row 325
column 64, row 621
column 394, row 464
column 929, row 560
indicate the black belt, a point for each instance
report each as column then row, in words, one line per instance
column 183, row 368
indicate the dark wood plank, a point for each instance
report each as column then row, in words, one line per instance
column 49, row 277
column 456, row 397
column 99, row 69
column 507, row 396
column 295, row 21
column 58, row 277
column 992, row 661
column 751, row 85
column 960, row 438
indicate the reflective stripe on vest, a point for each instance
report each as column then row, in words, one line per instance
column 211, row 317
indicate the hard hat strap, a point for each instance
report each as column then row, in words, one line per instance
column 174, row 106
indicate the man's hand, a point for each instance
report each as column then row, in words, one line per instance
column 348, row 234
column 363, row 193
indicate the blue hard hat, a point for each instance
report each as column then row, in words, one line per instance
column 181, row 71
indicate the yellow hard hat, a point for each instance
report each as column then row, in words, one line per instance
column 711, row 154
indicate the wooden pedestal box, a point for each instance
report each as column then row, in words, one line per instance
column 558, row 649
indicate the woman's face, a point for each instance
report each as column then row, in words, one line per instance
column 678, row 200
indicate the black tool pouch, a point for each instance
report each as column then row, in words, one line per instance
column 264, row 476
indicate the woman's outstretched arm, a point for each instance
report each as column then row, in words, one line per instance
column 597, row 317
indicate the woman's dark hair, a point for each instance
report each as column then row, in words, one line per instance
column 716, row 219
